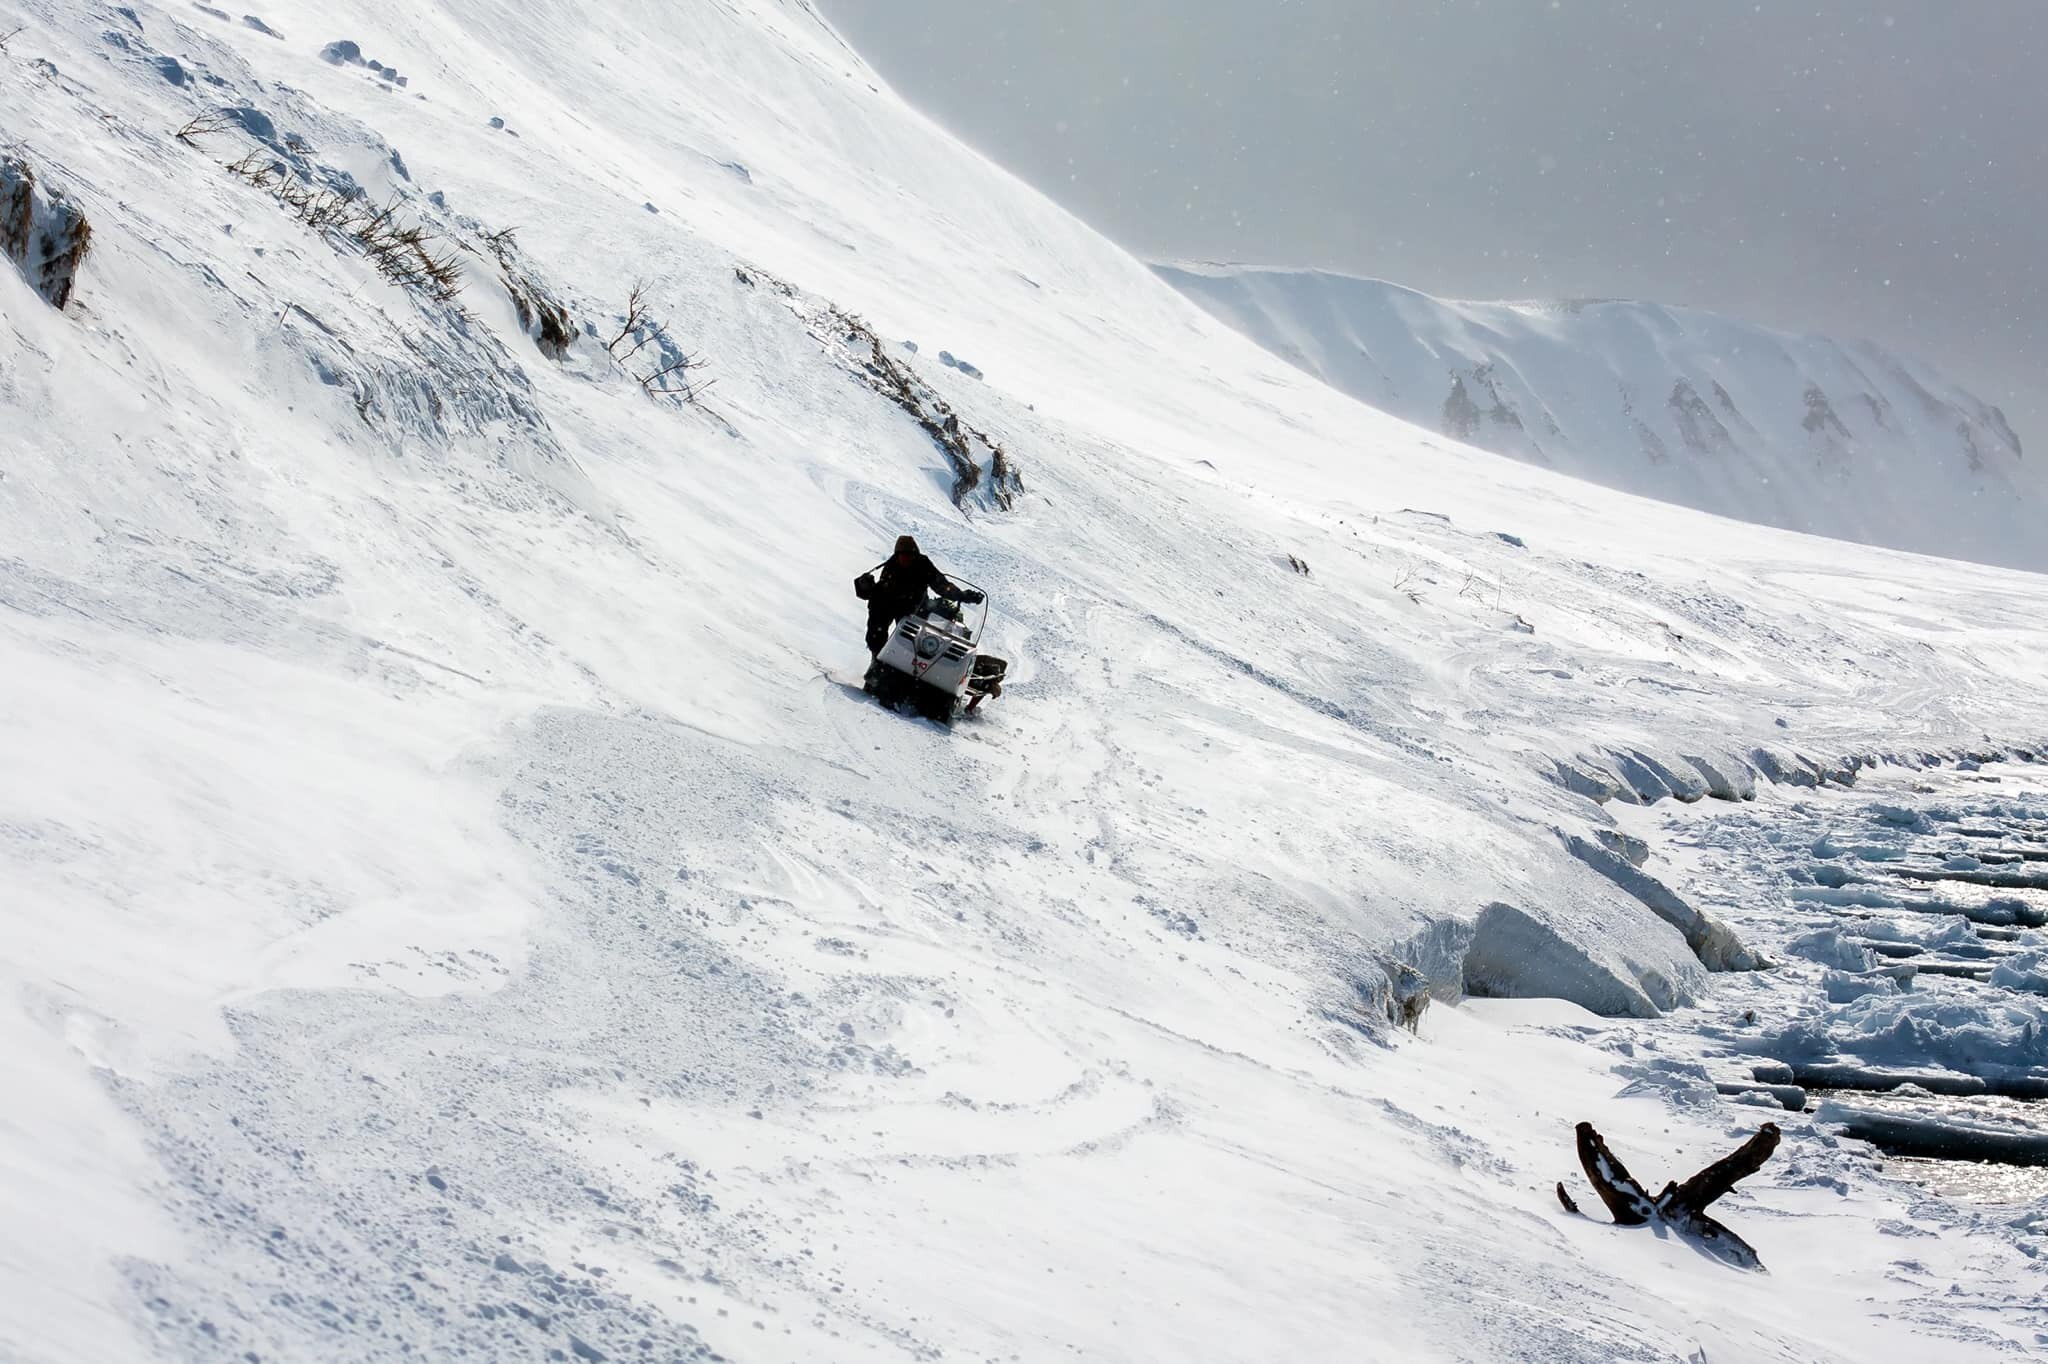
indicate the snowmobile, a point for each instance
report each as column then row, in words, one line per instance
column 933, row 661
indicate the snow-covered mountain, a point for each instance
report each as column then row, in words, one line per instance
column 456, row 902
column 1834, row 438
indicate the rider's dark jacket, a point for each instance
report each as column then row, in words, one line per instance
column 903, row 584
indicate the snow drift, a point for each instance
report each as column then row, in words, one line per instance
column 1841, row 439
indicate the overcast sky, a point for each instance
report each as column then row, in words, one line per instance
column 1864, row 167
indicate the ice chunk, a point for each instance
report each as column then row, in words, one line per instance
column 1843, row 987
column 1963, row 1033
column 1950, row 932
column 1901, row 817
column 1925, row 1127
column 1828, row 947
column 1515, row 956
column 1712, row 941
column 1726, row 778
column 1652, row 780
column 1626, row 846
column 1584, row 779
column 2026, row 971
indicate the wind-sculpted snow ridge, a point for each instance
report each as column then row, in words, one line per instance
column 1839, row 439
column 457, row 898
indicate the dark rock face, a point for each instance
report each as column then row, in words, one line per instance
column 42, row 232
column 1701, row 431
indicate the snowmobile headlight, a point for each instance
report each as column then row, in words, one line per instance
column 929, row 646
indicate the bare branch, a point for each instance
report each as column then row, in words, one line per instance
column 680, row 366
column 689, row 393
column 200, row 126
column 256, row 168
column 673, row 380
column 636, row 314
column 654, row 334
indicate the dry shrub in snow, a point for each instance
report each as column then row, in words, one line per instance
column 671, row 374
column 403, row 252
column 199, row 126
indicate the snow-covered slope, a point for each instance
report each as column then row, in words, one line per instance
column 456, row 902
column 1834, row 438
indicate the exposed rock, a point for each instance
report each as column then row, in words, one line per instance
column 1461, row 414
column 1820, row 415
column 1698, row 427
column 42, row 232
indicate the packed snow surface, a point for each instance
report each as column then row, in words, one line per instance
column 1837, row 438
column 458, row 901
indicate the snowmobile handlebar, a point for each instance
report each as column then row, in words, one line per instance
column 979, row 598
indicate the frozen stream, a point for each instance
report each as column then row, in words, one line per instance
column 1907, row 1007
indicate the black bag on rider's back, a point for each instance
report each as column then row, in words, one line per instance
column 864, row 586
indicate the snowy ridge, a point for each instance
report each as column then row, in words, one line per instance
column 457, row 899
column 1840, row 439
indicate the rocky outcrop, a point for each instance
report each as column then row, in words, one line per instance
column 42, row 232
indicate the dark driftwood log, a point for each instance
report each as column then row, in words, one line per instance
column 1626, row 1200
column 1682, row 1207
column 1717, row 1179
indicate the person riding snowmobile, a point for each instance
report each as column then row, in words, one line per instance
column 901, row 587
